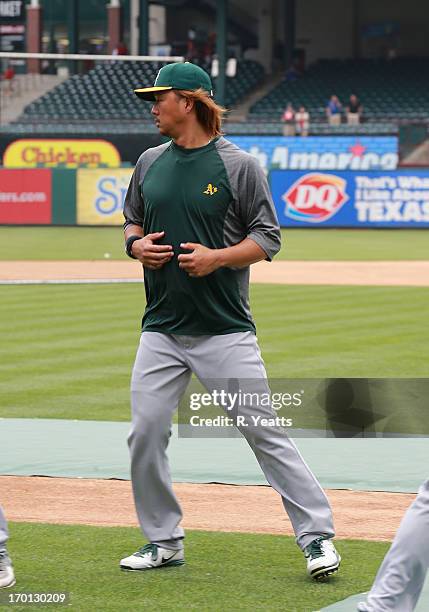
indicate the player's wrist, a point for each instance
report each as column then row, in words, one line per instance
column 129, row 243
column 221, row 258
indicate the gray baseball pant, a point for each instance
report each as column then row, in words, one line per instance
column 162, row 370
column 402, row 574
column 4, row 534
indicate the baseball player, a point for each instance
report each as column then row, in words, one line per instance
column 7, row 576
column 401, row 576
column 198, row 212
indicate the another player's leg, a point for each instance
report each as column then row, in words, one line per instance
column 286, row 471
column 7, row 576
column 401, row 576
column 159, row 379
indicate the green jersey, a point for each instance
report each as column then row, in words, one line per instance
column 216, row 195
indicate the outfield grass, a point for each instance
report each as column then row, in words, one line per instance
column 224, row 571
column 50, row 243
column 67, row 351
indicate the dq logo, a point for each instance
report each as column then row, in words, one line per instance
column 315, row 197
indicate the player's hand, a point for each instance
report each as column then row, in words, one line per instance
column 201, row 261
column 152, row 256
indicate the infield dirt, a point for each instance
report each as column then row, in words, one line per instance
column 211, row 507
column 379, row 273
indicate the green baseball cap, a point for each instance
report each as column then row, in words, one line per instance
column 180, row 75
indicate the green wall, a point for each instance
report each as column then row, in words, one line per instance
column 63, row 196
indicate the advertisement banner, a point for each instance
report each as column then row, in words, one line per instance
column 12, row 11
column 101, row 195
column 273, row 152
column 12, row 38
column 351, row 199
column 25, row 197
column 128, row 147
column 321, row 152
column 61, row 153
column 12, row 30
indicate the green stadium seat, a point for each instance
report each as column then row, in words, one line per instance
column 388, row 90
column 83, row 97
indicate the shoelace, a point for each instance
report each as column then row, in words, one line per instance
column 315, row 549
column 4, row 560
column 148, row 549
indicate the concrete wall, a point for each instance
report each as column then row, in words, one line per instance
column 180, row 20
column 325, row 29
column 413, row 17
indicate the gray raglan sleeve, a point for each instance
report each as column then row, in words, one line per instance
column 133, row 204
column 257, row 208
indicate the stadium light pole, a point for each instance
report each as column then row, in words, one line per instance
column 221, row 49
column 144, row 27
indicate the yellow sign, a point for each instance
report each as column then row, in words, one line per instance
column 101, row 195
column 52, row 153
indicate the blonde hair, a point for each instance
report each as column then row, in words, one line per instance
column 209, row 113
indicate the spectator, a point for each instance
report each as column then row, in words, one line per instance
column 391, row 54
column 210, row 47
column 354, row 110
column 200, row 43
column 191, row 48
column 8, row 77
column 288, row 119
column 333, row 111
column 121, row 49
column 302, row 121
column 292, row 73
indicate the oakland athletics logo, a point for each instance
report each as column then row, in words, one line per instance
column 211, row 190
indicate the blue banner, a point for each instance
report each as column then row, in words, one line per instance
column 351, row 199
column 321, row 152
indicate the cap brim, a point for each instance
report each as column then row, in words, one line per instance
column 148, row 93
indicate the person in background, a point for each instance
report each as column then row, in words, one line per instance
column 302, row 121
column 121, row 49
column 333, row 111
column 8, row 77
column 210, row 47
column 7, row 576
column 354, row 110
column 400, row 579
column 292, row 73
column 191, row 48
column 288, row 119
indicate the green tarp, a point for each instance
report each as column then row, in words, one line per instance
column 98, row 449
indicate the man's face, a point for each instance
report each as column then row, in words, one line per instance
column 169, row 113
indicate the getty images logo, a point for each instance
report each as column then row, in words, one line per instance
column 314, row 198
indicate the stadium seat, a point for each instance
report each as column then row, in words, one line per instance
column 388, row 90
column 105, row 93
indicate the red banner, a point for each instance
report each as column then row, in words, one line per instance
column 25, row 197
